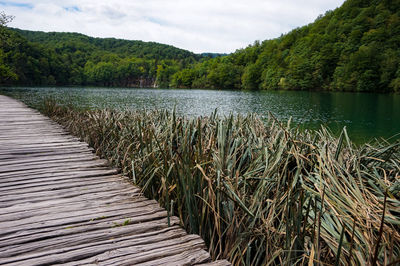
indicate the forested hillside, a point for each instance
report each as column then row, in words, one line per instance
column 39, row 58
column 353, row 48
column 68, row 42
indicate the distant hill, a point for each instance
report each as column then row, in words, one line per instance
column 68, row 42
column 54, row 58
column 355, row 47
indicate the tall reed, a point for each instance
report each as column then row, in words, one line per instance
column 259, row 193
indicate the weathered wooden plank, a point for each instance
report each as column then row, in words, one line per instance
column 53, row 256
column 82, row 214
column 70, row 238
column 47, row 160
column 93, row 218
column 5, row 134
column 190, row 257
column 35, row 135
column 140, row 250
column 136, row 254
column 87, row 206
column 36, row 141
column 65, row 193
column 40, row 151
column 11, row 200
column 59, row 175
column 217, row 263
column 157, row 220
column 45, row 185
column 6, row 171
column 74, row 198
column 104, row 198
column 36, row 234
column 21, row 155
column 43, row 128
column 39, row 147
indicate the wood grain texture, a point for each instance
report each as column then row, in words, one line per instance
column 61, row 204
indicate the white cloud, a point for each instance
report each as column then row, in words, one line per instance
column 199, row 26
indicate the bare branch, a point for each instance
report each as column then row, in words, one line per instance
column 5, row 19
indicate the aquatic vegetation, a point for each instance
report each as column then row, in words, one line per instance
column 257, row 192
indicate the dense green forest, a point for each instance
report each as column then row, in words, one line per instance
column 352, row 48
column 39, row 58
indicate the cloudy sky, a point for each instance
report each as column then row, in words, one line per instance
column 199, row 26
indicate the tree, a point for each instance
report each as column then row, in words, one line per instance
column 7, row 73
column 5, row 19
column 4, row 34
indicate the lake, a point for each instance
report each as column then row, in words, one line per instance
column 366, row 115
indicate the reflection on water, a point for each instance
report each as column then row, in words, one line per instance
column 365, row 115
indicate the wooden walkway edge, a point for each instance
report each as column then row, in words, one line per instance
column 60, row 204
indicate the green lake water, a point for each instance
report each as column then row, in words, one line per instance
column 365, row 115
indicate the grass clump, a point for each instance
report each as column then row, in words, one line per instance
column 257, row 192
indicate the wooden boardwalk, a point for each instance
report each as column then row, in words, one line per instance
column 60, row 204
